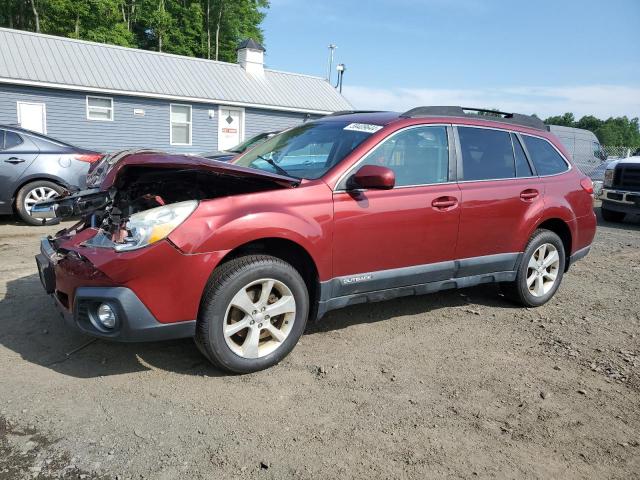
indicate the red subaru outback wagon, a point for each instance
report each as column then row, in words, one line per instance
column 354, row 207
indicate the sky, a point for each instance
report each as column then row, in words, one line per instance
column 528, row 56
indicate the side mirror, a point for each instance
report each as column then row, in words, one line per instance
column 373, row 177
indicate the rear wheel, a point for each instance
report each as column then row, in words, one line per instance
column 32, row 193
column 540, row 271
column 252, row 314
column 611, row 215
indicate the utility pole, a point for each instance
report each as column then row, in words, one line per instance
column 332, row 48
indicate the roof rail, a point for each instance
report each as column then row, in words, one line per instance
column 454, row 111
column 349, row 112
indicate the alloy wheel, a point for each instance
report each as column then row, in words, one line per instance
column 259, row 318
column 36, row 195
column 542, row 270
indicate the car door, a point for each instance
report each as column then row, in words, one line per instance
column 501, row 199
column 405, row 235
column 17, row 152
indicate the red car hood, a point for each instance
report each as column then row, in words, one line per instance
column 115, row 164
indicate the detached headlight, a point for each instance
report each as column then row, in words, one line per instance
column 153, row 225
column 608, row 178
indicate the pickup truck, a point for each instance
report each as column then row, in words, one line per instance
column 621, row 189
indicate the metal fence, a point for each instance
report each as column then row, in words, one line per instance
column 617, row 152
column 592, row 160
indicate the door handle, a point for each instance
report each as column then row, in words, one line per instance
column 529, row 194
column 14, row 160
column 444, row 203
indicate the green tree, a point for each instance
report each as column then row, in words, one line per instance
column 201, row 28
column 618, row 131
column 589, row 122
column 566, row 120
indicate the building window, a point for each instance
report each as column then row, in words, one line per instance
column 100, row 108
column 180, row 124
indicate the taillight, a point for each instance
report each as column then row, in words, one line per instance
column 88, row 157
column 587, row 185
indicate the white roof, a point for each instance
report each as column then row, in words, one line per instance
column 43, row 60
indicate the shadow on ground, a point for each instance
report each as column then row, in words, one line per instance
column 630, row 222
column 31, row 326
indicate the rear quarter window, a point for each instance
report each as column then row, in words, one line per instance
column 545, row 158
column 9, row 139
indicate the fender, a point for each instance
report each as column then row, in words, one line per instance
column 562, row 213
column 43, row 176
column 227, row 223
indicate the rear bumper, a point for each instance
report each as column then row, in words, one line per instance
column 134, row 321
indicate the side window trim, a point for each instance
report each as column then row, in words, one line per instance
column 459, row 164
column 2, row 135
column 341, row 184
column 526, row 154
column 453, row 154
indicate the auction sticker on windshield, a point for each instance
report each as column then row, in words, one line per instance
column 363, row 127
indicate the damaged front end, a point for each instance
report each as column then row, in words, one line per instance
column 144, row 196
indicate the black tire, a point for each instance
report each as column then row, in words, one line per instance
column 223, row 285
column 23, row 213
column 518, row 291
column 612, row 216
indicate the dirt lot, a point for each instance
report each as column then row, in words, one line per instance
column 454, row 385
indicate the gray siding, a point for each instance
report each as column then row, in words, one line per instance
column 67, row 120
column 258, row 121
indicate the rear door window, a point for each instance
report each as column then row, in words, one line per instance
column 546, row 159
column 486, row 154
column 523, row 169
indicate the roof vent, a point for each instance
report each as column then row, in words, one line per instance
column 251, row 56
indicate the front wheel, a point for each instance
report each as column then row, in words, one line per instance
column 252, row 314
column 540, row 271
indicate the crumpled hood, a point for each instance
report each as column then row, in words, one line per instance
column 111, row 166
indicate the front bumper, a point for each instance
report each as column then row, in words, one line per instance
column 134, row 323
column 620, row 200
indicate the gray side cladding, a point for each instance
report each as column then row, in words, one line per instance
column 67, row 120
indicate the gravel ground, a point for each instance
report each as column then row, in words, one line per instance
column 453, row 385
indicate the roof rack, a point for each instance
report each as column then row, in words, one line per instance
column 453, row 111
column 349, row 112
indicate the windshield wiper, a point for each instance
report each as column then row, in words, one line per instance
column 278, row 168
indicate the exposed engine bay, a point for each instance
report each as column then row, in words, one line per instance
column 143, row 188
column 117, row 211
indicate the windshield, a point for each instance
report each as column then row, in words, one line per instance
column 241, row 147
column 307, row 151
